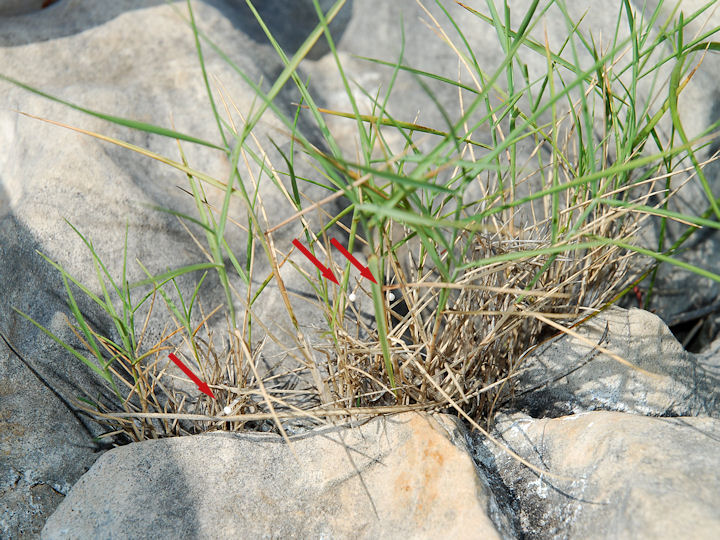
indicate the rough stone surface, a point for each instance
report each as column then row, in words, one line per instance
column 569, row 375
column 625, row 476
column 9, row 8
column 406, row 475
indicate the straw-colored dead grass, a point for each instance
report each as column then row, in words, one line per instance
column 454, row 344
column 473, row 348
column 463, row 358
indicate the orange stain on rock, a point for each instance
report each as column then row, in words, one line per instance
column 425, row 455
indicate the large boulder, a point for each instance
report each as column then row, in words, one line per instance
column 617, row 447
column 651, row 374
column 608, row 475
column 403, row 476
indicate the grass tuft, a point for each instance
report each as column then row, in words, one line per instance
column 525, row 211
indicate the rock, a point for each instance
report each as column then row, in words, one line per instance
column 567, row 375
column 710, row 359
column 10, row 8
column 402, row 476
column 44, row 444
column 617, row 475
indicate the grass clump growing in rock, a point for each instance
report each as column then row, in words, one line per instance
column 519, row 216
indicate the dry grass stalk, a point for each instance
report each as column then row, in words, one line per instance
column 490, row 321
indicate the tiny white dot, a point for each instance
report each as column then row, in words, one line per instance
column 391, row 296
column 227, row 410
column 352, row 297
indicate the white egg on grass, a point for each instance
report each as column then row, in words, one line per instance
column 229, row 408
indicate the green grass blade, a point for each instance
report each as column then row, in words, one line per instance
column 198, row 48
column 132, row 124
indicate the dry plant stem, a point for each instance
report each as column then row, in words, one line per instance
column 318, row 204
column 187, row 170
column 360, row 180
column 492, row 439
column 268, row 401
column 600, row 348
column 369, row 412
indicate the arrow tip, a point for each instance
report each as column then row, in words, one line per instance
column 205, row 389
column 366, row 273
column 328, row 274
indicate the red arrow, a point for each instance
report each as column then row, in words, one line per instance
column 364, row 270
column 325, row 271
column 204, row 388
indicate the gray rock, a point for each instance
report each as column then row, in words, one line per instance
column 615, row 475
column 44, row 444
column 569, row 375
column 710, row 359
column 402, row 476
column 10, row 8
